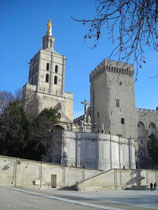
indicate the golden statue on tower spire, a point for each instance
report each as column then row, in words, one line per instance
column 49, row 28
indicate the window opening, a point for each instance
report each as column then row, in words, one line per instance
column 117, row 102
column 51, row 43
column 119, row 135
column 122, row 121
column 56, row 69
column 47, row 77
column 141, row 141
column 47, row 67
column 55, row 80
column 98, row 115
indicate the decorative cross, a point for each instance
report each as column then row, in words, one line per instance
column 85, row 106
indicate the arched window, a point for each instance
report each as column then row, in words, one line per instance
column 47, row 67
column 56, row 69
column 141, row 130
column 55, row 80
column 47, row 77
column 152, row 129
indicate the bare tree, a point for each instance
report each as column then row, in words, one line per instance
column 7, row 97
column 18, row 94
column 136, row 22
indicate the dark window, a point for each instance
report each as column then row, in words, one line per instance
column 98, row 115
column 141, row 153
column 122, row 121
column 56, row 69
column 141, row 141
column 51, row 43
column 117, row 102
column 119, row 135
column 55, row 80
column 47, row 67
column 47, row 77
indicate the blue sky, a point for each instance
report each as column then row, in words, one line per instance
column 22, row 26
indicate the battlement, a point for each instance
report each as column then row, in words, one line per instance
column 139, row 110
column 113, row 66
column 77, row 120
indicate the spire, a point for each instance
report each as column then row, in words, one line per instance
column 49, row 28
column 48, row 39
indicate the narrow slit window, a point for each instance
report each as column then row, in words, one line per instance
column 47, row 67
column 51, row 43
column 55, row 80
column 98, row 115
column 47, row 77
column 122, row 120
column 117, row 102
column 56, row 69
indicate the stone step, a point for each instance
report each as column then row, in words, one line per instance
column 142, row 187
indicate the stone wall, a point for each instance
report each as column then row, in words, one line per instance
column 18, row 172
column 34, row 174
column 94, row 150
column 119, row 180
column 147, row 124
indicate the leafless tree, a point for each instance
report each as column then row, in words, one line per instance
column 131, row 24
column 7, row 97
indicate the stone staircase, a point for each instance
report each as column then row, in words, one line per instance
column 119, row 179
column 142, row 187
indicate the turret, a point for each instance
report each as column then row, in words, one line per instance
column 48, row 39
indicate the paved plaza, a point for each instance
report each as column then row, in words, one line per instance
column 18, row 199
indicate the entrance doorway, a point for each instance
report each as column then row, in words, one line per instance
column 53, row 181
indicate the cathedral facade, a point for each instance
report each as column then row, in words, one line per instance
column 112, row 132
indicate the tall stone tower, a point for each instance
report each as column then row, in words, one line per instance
column 45, row 87
column 113, row 100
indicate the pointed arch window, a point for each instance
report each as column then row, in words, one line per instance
column 47, row 67
column 141, row 130
column 47, row 77
column 55, row 80
column 152, row 129
column 56, row 69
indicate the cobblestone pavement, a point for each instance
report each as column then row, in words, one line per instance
column 62, row 199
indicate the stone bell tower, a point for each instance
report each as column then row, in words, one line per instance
column 45, row 87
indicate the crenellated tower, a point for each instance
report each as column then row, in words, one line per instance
column 112, row 99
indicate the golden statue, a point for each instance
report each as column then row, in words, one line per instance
column 49, row 28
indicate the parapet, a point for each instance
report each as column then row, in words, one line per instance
column 139, row 110
column 68, row 95
column 77, row 120
column 28, row 86
column 113, row 66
